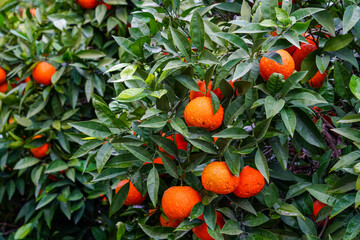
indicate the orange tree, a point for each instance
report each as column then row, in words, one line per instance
column 53, row 56
column 204, row 120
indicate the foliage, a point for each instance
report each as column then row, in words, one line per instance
column 121, row 87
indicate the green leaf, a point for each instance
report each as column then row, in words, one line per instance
column 215, row 102
column 203, row 145
column 103, row 156
column 233, row 160
column 261, row 128
column 292, row 81
column 350, row 118
column 197, row 210
column 281, row 151
column 268, row 9
column 275, row 83
column 322, row 63
column 56, row 166
column 297, row 189
column 234, row 109
column 131, row 94
column 210, row 216
column 37, row 106
column 342, row 79
column 223, row 71
column 26, row 162
column 285, row 209
column 289, row 119
column 305, row 12
column 181, row 42
column 154, row 122
column 153, row 185
column 92, row 129
column 271, row 195
column 349, row 133
column 23, row 231
column 326, row 20
column 319, row 191
column 139, row 152
column 179, row 125
column 261, row 164
column 346, row 160
column 307, row 226
column 342, row 204
column 351, row 17
column 354, row 86
column 188, row 82
column 233, row 132
column 254, row 221
column 197, row 31
column 156, row 232
column 231, row 227
column 273, row 106
column 353, row 228
column 100, row 12
column 86, row 147
column 234, row 39
column 338, row 42
column 119, row 199
column 49, row 197
column 307, row 129
column 90, row 54
column 168, row 145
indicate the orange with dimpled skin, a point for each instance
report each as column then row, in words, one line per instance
column 134, row 197
column 177, row 201
column 4, row 87
column 251, row 182
column 218, row 178
column 268, row 66
column 318, row 80
column 199, row 113
column 43, row 72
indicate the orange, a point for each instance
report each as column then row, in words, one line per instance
column 2, row 76
column 25, row 80
column 88, row 4
column 218, row 178
column 33, row 11
column 317, row 206
column 202, row 87
column 251, row 183
column 11, row 120
column 134, row 197
column 4, row 87
column 43, row 72
column 169, row 222
column 318, row 80
column 156, row 160
column 180, row 142
column 268, row 66
column 305, row 48
column 202, row 232
column 199, row 113
column 177, row 201
column 42, row 151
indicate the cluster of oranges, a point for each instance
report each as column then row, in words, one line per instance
column 178, row 201
column 292, row 59
column 42, row 74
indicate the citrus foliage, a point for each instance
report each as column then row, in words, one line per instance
column 125, row 148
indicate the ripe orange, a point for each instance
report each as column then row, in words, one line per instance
column 33, row 11
column 42, row 151
column 11, row 120
column 317, row 206
column 88, row 4
column 4, row 87
column 202, row 87
column 43, row 72
column 180, row 142
column 199, row 113
column 2, row 75
column 268, row 66
column 177, row 201
column 134, row 197
column 251, row 183
column 217, row 178
column 318, row 80
column 156, row 160
column 202, row 232
column 305, row 49
column 169, row 222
